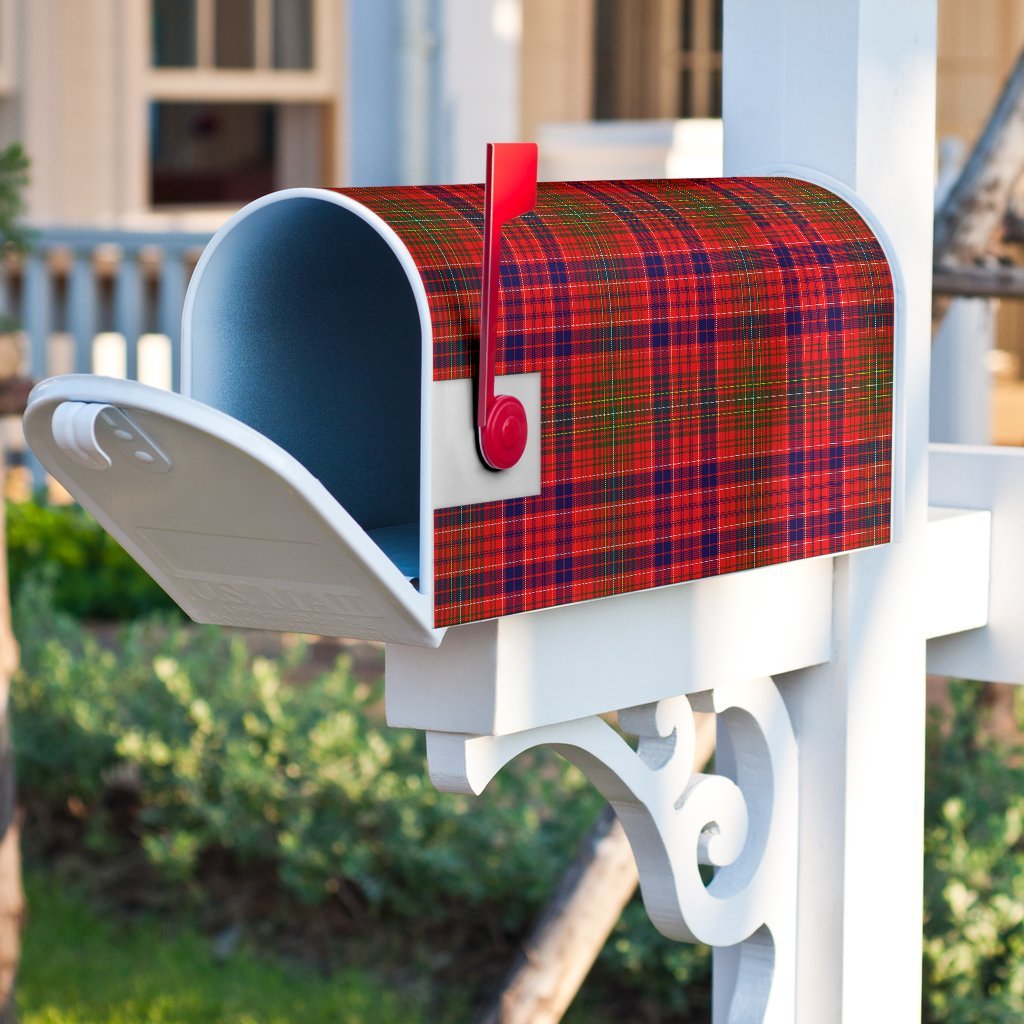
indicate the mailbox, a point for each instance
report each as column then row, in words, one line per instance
column 705, row 370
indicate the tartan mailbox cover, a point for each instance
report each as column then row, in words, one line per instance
column 706, row 367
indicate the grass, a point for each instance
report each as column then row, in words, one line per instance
column 79, row 968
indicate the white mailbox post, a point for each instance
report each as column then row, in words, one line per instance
column 814, row 665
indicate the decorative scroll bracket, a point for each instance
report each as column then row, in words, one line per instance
column 743, row 822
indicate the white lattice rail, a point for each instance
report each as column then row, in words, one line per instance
column 93, row 300
column 80, row 286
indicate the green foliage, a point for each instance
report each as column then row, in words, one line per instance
column 974, row 870
column 14, row 236
column 90, row 573
column 671, row 975
column 225, row 755
column 14, row 166
column 80, row 968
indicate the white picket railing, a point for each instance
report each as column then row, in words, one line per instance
column 99, row 301
column 102, row 301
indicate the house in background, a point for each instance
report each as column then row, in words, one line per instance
column 149, row 122
column 172, row 113
column 168, row 113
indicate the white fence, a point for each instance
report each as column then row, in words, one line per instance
column 102, row 301
column 91, row 301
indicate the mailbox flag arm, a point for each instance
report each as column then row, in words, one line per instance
column 510, row 190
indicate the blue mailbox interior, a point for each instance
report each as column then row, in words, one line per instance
column 304, row 326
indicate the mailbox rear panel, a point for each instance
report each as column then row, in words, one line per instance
column 716, row 361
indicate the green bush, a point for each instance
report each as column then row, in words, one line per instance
column 226, row 756
column 90, row 573
column 974, row 869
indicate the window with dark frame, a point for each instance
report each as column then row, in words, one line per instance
column 657, row 58
column 211, row 153
column 233, row 34
column 203, row 151
column 174, row 33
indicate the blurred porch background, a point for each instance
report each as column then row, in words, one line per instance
column 150, row 123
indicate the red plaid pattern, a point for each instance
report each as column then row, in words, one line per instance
column 717, row 371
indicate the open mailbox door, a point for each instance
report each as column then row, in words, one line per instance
column 236, row 530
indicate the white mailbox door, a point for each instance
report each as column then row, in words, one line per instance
column 231, row 526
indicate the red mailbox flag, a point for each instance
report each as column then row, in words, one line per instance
column 511, row 190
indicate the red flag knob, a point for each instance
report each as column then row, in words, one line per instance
column 511, row 189
column 503, row 436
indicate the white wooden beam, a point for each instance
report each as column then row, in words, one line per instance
column 524, row 671
column 958, row 565
column 848, row 89
column 993, row 479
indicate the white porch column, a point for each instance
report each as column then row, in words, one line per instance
column 961, row 381
column 848, row 89
column 479, row 82
column 374, row 49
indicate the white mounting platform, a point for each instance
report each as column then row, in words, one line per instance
column 967, row 476
column 523, row 671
